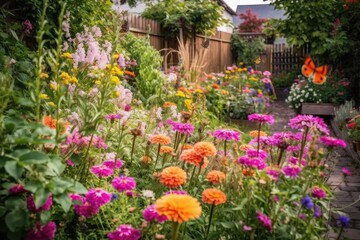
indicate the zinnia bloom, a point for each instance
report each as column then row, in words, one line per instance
column 227, row 134
column 160, row 139
column 205, row 149
column 17, row 188
column 318, row 192
column 191, row 157
column 213, row 196
column 125, row 232
column 185, row 128
column 150, row 214
column 41, row 232
column 102, row 171
column 98, row 197
column 31, row 204
column 273, row 173
column 85, row 208
column 178, row 208
column 265, row 220
column 123, row 183
column 166, row 149
column 255, row 133
column 245, row 147
column 173, row 177
column 215, row 176
column 332, row 142
column 302, row 121
column 111, row 163
column 262, row 118
column 291, row 170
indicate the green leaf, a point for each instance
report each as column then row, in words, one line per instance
column 40, row 197
column 15, row 202
column 56, row 165
column 13, row 33
column 60, row 185
column 45, row 216
column 14, row 169
column 2, row 211
column 227, row 224
column 16, row 219
column 34, row 157
column 78, row 188
column 33, row 186
column 64, row 201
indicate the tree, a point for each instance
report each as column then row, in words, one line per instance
column 251, row 23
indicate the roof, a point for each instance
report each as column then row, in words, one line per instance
column 226, row 7
column 261, row 10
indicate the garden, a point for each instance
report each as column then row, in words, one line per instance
column 98, row 142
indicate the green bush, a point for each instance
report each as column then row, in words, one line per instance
column 246, row 50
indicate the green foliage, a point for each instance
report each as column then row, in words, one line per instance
column 344, row 112
column 202, row 16
column 286, row 79
column 246, row 50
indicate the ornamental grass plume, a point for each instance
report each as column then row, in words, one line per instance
column 125, row 232
column 215, row 176
column 41, row 232
column 178, row 209
column 173, row 177
column 205, row 149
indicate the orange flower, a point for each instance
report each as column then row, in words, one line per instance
column 213, row 196
column 166, row 149
column 190, row 156
column 187, row 147
column 256, row 132
column 129, row 73
column 160, row 139
column 173, row 177
column 168, row 104
column 245, row 147
column 146, row 159
column 204, row 163
column 247, row 172
column 215, row 176
column 205, row 149
column 51, row 123
column 215, row 86
column 178, row 208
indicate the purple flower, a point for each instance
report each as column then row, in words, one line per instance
column 346, row 172
column 254, row 162
column 332, row 142
column 291, row 170
column 273, row 173
column 99, row 143
column 185, row 128
column 102, row 171
column 113, row 116
column 41, row 232
column 111, row 163
column 98, row 197
column 247, row 228
column 179, row 192
column 227, row 134
column 265, row 220
column 123, row 183
column 254, row 153
column 262, row 118
column 124, row 232
column 344, row 221
column 317, row 211
column 17, row 188
column 302, row 216
column 150, row 215
column 27, row 26
column 295, row 160
column 303, row 121
column 307, row 202
column 31, row 204
column 127, row 108
column 318, row 192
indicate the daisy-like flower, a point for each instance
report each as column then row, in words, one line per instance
column 125, row 232
column 41, row 232
column 184, row 128
column 262, row 118
column 291, row 170
column 98, row 197
column 215, row 176
column 255, row 133
column 102, row 171
column 31, row 204
column 302, row 121
column 166, row 149
column 148, row 194
column 252, row 162
column 213, row 196
column 332, row 142
column 191, row 157
column 318, row 192
column 150, row 215
column 160, row 139
column 254, row 153
column 205, row 149
column 110, row 163
column 273, row 173
column 178, row 208
column 227, row 135
column 123, row 183
column 173, row 177
column 265, row 220
column 245, row 147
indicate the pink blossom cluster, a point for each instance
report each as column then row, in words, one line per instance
column 184, row 128
column 318, row 192
column 303, row 121
column 31, row 204
column 125, row 232
column 227, row 134
column 82, row 141
column 273, row 173
column 151, row 215
column 252, row 162
column 332, row 142
column 262, row 118
column 17, row 188
column 265, row 220
column 106, row 169
column 123, row 183
column 41, row 232
column 291, row 170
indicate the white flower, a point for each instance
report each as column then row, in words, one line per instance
column 148, row 194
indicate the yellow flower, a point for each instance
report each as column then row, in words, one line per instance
column 241, row 63
column 116, row 94
column 115, row 56
column 227, row 71
column 198, row 90
column 51, row 104
column 188, row 104
column 73, row 80
column 65, row 78
column 44, row 96
column 180, row 94
column 115, row 80
column 67, row 55
column 53, row 85
column 116, row 71
column 259, row 91
column 108, row 66
column 98, row 82
column 252, row 79
column 44, row 75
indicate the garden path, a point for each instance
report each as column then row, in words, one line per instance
column 346, row 190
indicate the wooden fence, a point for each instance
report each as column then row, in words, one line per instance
column 219, row 45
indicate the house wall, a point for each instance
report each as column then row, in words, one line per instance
column 228, row 28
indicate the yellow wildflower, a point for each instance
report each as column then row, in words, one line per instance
column 259, row 91
column 116, row 94
column 44, row 75
column 44, row 96
column 198, row 90
column 188, row 104
column 227, row 72
column 73, row 80
column 51, row 104
column 115, row 56
column 116, row 71
column 53, row 85
column 98, row 82
column 115, row 80
column 180, row 94
column 67, row 55
column 253, row 79
column 241, row 63
column 108, row 66
column 65, row 78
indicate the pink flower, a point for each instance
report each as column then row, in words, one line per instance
column 303, row 121
column 123, row 183
column 111, row 163
column 185, row 128
column 113, row 116
column 332, row 142
column 318, row 192
column 102, row 171
column 70, row 162
column 273, row 173
column 265, row 220
column 17, row 188
column 346, row 172
column 291, row 170
column 262, row 118
column 41, row 232
column 247, row 228
column 254, row 153
column 84, row 208
column 266, row 80
column 150, row 214
column 98, row 197
column 267, row 73
column 99, row 143
column 31, row 204
column 254, row 162
column 227, row 135
column 124, row 232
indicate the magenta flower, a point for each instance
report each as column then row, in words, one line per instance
column 265, row 220
column 113, row 116
column 302, row 121
column 83, row 207
column 247, row 228
column 332, row 142
column 267, row 73
column 98, row 197
column 254, row 162
column 123, row 183
column 111, row 163
column 346, row 172
column 185, row 128
column 41, row 232
column 291, row 170
column 31, row 204
column 227, row 135
column 124, row 232
column 17, row 188
column 295, row 160
column 266, row 80
column 254, row 153
column 99, row 143
column 150, row 215
column 262, row 118
column 102, row 171
column 318, row 192
column 273, row 173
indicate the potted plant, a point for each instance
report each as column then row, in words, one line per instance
column 270, row 31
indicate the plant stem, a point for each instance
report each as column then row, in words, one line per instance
column 157, row 156
column 192, row 175
column 303, row 141
column 175, row 230
column 132, row 150
column 225, row 148
column 258, row 140
column 340, row 233
column 210, row 219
